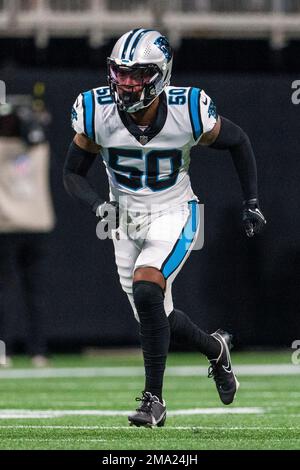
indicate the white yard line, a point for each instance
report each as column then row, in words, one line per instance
column 167, row 428
column 183, row 371
column 42, row 414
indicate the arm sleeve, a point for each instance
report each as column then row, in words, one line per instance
column 77, row 165
column 231, row 137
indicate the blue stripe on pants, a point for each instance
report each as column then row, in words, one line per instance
column 183, row 243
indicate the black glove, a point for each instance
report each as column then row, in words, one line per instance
column 253, row 219
column 108, row 212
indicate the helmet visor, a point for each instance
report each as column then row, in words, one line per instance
column 132, row 78
column 133, row 85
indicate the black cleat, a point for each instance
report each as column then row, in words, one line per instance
column 151, row 412
column 221, row 370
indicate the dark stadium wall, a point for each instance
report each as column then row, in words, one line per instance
column 248, row 286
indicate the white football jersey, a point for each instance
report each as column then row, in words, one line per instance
column 146, row 168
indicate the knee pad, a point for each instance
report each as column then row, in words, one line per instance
column 148, row 296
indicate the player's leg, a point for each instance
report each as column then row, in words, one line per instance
column 216, row 346
column 149, row 302
column 152, row 302
column 137, row 290
column 148, row 294
column 184, row 331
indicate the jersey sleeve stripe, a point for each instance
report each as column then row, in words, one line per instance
column 94, row 112
column 194, row 112
column 183, row 244
column 84, row 113
column 89, row 114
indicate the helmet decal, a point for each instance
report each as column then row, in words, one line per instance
column 163, row 44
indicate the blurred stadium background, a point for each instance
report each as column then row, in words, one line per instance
column 245, row 54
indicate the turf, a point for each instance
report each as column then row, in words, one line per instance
column 276, row 428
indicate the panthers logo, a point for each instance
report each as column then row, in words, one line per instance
column 163, row 44
column 74, row 115
column 212, row 110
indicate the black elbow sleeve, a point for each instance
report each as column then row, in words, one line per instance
column 231, row 137
column 76, row 167
column 78, row 160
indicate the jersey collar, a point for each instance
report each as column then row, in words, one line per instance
column 143, row 137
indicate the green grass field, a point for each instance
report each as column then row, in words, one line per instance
column 71, row 411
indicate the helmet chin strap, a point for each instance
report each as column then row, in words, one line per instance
column 139, row 105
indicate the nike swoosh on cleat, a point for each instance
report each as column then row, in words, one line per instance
column 204, row 102
column 227, row 369
column 155, row 421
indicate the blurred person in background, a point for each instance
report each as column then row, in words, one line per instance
column 26, row 218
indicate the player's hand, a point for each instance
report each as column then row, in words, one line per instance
column 108, row 212
column 253, row 219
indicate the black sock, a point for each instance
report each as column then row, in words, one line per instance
column 184, row 331
column 154, row 333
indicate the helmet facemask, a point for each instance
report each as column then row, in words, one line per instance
column 134, row 87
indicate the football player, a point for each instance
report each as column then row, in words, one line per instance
column 144, row 129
